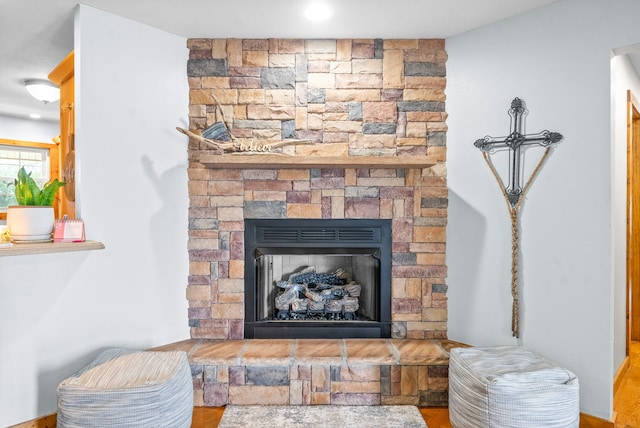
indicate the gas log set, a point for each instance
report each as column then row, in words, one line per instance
column 309, row 295
column 317, row 278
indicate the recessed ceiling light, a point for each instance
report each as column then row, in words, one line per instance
column 35, row 116
column 318, row 12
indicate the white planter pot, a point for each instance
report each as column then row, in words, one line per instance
column 30, row 223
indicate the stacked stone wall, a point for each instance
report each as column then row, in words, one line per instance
column 350, row 98
column 305, row 385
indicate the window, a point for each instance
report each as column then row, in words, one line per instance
column 38, row 158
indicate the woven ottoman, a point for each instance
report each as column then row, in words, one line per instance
column 510, row 386
column 126, row 388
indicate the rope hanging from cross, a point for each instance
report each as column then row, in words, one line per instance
column 513, row 191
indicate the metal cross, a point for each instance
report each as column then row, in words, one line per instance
column 514, row 142
column 514, row 190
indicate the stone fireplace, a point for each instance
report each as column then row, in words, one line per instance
column 379, row 99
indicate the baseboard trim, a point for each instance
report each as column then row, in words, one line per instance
column 588, row 421
column 49, row 421
column 622, row 372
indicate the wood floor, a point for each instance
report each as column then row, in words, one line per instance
column 626, row 403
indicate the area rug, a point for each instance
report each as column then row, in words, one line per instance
column 328, row 416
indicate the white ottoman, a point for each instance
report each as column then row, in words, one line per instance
column 510, row 386
column 123, row 388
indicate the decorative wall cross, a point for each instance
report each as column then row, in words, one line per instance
column 514, row 142
column 512, row 189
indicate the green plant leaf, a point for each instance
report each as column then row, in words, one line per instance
column 22, row 188
column 35, row 191
column 49, row 190
column 28, row 193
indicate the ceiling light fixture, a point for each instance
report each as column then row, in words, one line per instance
column 318, row 12
column 42, row 90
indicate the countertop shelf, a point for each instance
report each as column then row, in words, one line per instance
column 301, row 162
column 50, row 247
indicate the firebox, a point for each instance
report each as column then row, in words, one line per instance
column 317, row 278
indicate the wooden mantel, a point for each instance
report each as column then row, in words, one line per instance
column 260, row 161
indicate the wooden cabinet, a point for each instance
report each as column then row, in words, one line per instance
column 63, row 76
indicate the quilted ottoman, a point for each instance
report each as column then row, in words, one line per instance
column 510, row 386
column 126, row 388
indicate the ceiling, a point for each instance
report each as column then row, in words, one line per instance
column 33, row 53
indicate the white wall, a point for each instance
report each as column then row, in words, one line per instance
column 624, row 78
column 58, row 311
column 38, row 131
column 557, row 59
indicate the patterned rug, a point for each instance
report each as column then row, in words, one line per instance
column 328, row 416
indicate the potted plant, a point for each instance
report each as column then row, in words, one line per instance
column 33, row 218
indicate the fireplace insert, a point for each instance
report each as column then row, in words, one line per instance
column 317, row 278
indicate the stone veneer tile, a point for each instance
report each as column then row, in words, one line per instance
column 439, row 383
column 267, row 375
column 399, row 400
column 441, row 371
column 359, row 373
column 361, row 208
column 257, row 394
column 409, row 380
column 395, row 374
column 216, row 394
column 423, row 378
column 356, row 399
column 362, row 49
column 268, row 352
column 385, row 380
column 370, row 351
column 434, row 398
column 320, row 398
column 197, row 375
column 395, row 377
column 222, row 374
column 237, row 375
column 304, row 211
column 302, row 372
column 318, row 351
column 335, row 373
column 198, row 397
column 320, row 378
column 306, row 392
column 296, row 392
column 219, row 352
column 420, row 352
column 210, row 373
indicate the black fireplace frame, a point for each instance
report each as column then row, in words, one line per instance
column 317, row 233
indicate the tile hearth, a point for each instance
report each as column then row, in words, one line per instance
column 318, row 371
